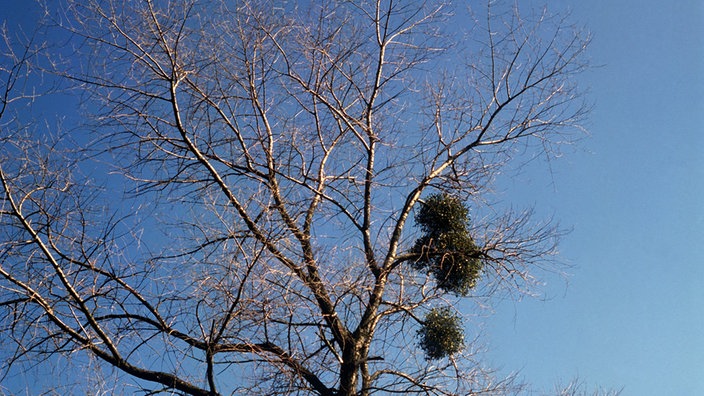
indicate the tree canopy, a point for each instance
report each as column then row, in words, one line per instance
column 229, row 207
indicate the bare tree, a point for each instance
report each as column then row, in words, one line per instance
column 239, row 219
column 576, row 387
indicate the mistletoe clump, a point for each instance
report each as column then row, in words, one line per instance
column 447, row 250
column 441, row 333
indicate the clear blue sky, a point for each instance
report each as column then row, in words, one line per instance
column 632, row 315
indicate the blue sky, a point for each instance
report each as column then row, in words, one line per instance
column 632, row 313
